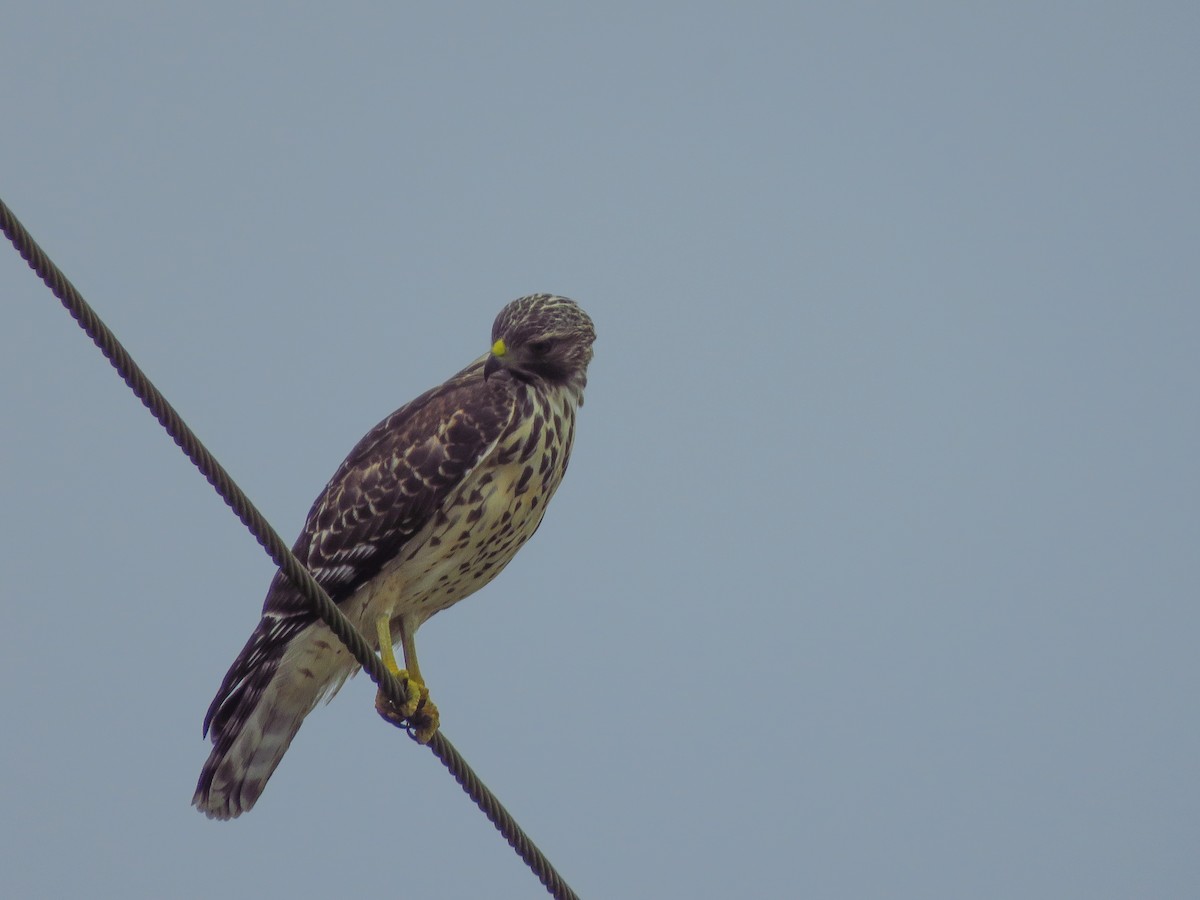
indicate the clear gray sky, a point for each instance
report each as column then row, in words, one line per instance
column 876, row 570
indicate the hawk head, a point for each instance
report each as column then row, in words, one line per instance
column 542, row 337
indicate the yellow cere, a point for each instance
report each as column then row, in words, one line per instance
column 498, row 348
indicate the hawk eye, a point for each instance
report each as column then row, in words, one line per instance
column 540, row 348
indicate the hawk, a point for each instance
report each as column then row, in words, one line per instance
column 428, row 508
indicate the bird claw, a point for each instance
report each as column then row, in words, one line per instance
column 419, row 716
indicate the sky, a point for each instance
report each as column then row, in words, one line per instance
column 875, row 572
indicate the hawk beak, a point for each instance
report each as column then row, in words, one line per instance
column 493, row 362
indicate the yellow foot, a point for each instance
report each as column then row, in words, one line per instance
column 419, row 715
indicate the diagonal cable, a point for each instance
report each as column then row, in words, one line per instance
column 270, row 541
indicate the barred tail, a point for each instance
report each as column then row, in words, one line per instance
column 256, row 714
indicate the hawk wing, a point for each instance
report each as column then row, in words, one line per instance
column 392, row 483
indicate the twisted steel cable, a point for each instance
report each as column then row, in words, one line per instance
column 269, row 539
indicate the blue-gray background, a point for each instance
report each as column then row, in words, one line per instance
column 875, row 573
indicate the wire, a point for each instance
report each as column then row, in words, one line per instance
column 270, row 541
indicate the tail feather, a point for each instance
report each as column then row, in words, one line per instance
column 259, row 717
column 233, row 778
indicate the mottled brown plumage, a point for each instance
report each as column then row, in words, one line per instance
column 429, row 506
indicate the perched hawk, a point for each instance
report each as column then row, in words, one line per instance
column 427, row 509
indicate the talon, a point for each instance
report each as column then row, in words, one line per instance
column 424, row 722
column 419, row 715
column 417, row 694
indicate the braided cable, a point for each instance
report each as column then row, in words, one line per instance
column 269, row 539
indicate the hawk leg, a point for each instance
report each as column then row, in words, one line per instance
column 419, row 713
